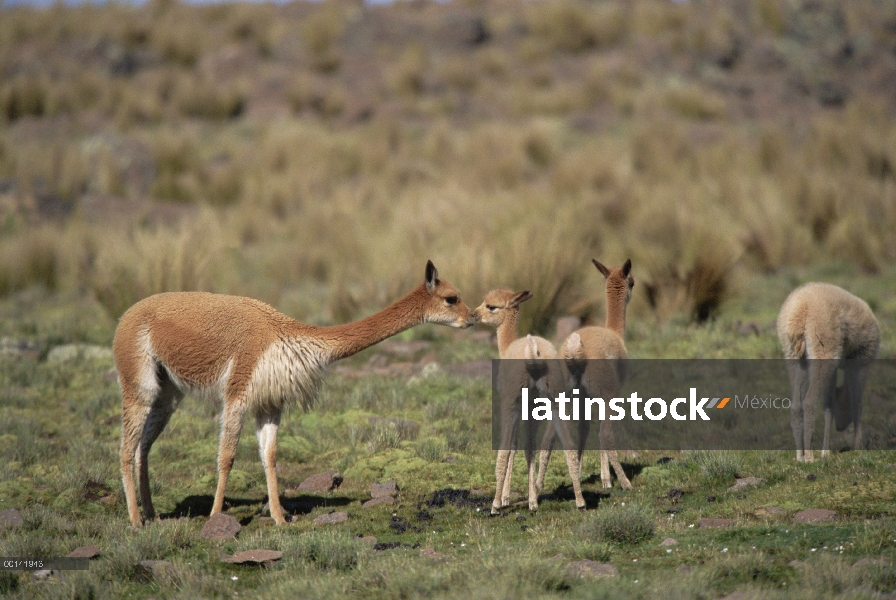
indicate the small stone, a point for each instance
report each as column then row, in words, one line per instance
column 378, row 490
column 368, row 539
column 669, row 542
column 796, row 564
column 147, row 571
column 11, row 518
column 716, row 523
column 591, row 568
column 815, row 515
column 811, row 476
column 377, row 501
column 683, row 568
column 332, row 518
column 865, row 563
column 746, row 482
column 220, row 526
column 254, row 557
column 430, row 552
column 322, row 482
column 84, row 552
column 45, row 575
column 769, row 511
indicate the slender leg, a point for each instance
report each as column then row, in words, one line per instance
column 159, row 415
column 531, row 431
column 798, row 374
column 821, row 373
column 544, row 457
column 855, row 387
column 606, row 480
column 231, row 426
column 133, row 419
column 508, row 476
column 266, row 426
column 572, row 462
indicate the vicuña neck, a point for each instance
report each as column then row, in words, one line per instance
column 507, row 332
column 616, row 311
column 351, row 338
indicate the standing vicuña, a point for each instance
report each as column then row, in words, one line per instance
column 596, row 358
column 820, row 326
column 532, row 365
column 250, row 357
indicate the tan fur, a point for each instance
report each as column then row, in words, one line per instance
column 598, row 378
column 531, row 366
column 246, row 355
column 820, row 326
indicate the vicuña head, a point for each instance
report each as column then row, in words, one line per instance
column 246, row 355
column 619, row 285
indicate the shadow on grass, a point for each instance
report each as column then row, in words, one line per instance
column 631, row 471
column 564, row 493
column 201, row 505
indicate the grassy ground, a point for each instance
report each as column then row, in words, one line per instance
column 59, row 431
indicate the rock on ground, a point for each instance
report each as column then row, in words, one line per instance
column 716, row 522
column 378, row 501
column 147, row 571
column 11, row 517
column 220, row 526
column 590, row 568
column 669, row 542
column 742, row 484
column 332, row 518
column 378, row 490
column 814, row 515
column 254, row 557
column 322, row 482
column 70, row 352
column 84, row 552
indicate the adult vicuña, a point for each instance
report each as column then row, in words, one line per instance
column 530, row 367
column 596, row 359
column 250, row 357
column 823, row 327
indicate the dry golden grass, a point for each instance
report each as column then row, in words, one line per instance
column 337, row 148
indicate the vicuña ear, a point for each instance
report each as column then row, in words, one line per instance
column 432, row 276
column 603, row 270
column 519, row 298
column 627, row 267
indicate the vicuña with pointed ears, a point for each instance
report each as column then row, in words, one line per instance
column 532, row 368
column 596, row 359
column 821, row 326
column 245, row 354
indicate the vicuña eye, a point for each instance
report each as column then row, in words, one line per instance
column 492, row 308
column 451, row 299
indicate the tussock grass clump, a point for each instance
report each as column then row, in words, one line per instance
column 755, row 567
column 329, row 550
column 715, row 465
column 876, row 536
column 623, row 525
column 153, row 261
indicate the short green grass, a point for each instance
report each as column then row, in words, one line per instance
column 59, row 435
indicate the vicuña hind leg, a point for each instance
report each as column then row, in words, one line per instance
column 266, row 426
column 608, row 441
column 821, row 374
column 231, row 426
column 133, row 419
column 797, row 370
column 159, row 415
